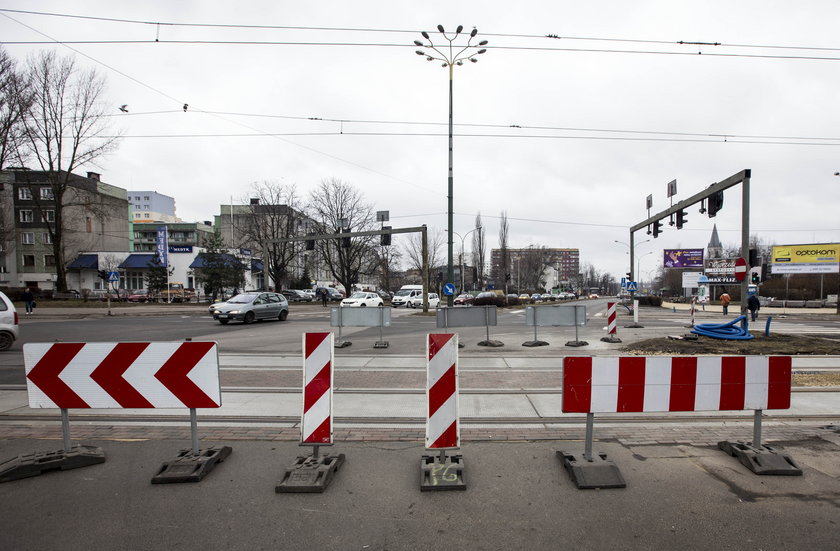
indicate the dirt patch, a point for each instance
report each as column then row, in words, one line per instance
column 761, row 345
column 816, row 379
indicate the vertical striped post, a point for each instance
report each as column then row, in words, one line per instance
column 316, row 420
column 611, row 324
column 442, row 427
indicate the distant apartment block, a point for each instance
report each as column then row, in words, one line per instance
column 151, row 206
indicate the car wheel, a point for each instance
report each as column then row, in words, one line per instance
column 224, row 322
column 6, row 340
column 249, row 317
column 283, row 315
column 362, row 305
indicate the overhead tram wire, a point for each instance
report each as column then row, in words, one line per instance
column 164, row 94
column 551, row 36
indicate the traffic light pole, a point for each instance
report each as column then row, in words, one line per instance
column 745, row 238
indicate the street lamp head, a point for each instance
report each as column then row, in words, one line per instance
column 425, row 34
column 418, row 52
column 459, row 29
column 481, row 51
column 418, row 43
column 483, row 43
column 459, row 62
column 440, row 29
column 474, row 32
column 444, row 64
column 474, row 60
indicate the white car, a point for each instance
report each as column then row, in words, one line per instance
column 9, row 322
column 417, row 302
column 362, row 299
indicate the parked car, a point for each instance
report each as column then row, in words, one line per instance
column 536, row 297
column 293, row 295
column 464, row 299
column 9, row 322
column 333, row 295
column 140, row 295
column 308, row 294
column 525, row 298
column 593, row 295
column 250, row 307
column 362, row 299
column 406, row 294
column 384, row 295
column 69, row 294
column 417, row 301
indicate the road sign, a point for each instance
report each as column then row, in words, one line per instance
column 740, row 269
column 122, row 375
column 631, row 286
column 449, row 289
column 113, row 277
column 623, row 282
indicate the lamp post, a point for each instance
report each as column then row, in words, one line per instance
column 461, row 289
column 632, row 250
column 450, row 59
column 639, row 263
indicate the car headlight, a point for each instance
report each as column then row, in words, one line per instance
column 233, row 312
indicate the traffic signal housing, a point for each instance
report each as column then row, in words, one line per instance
column 385, row 238
column 680, row 219
column 657, row 228
column 345, row 241
column 715, row 203
column 103, row 275
column 755, row 275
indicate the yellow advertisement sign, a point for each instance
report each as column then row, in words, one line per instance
column 820, row 258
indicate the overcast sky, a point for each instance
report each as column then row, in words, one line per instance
column 606, row 114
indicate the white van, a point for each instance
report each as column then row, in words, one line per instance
column 406, row 294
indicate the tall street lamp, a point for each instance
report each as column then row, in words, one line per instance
column 461, row 256
column 450, row 58
column 632, row 251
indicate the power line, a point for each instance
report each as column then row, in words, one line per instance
column 415, row 31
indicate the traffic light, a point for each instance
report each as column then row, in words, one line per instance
column 507, row 277
column 345, row 241
column 310, row 244
column 715, row 203
column 657, row 228
column 756, row 279
column 385, row 238
column 680, row 219
column 103, row 275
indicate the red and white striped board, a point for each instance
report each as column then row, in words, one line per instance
column 316, row 425
column 122, row 375
column 442, row 427
column 704, row 383
column 611, row 325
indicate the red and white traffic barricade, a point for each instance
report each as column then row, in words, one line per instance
column 611, row 324
column 136, row 375
column 314, row 472
column 443, row 429
column 636, row 384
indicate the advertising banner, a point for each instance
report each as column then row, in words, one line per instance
column 683, row 258
column 161, row 245
column 820, row 258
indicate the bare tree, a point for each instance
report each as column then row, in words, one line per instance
column 414, row 252
column 15, row 101
column 479, row 249
column 388, row 261
column 275, row 213
column 336, row 205
column 65, row 129
column 504, row 254
column 530, row 268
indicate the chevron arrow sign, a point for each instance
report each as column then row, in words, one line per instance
column 122, row 375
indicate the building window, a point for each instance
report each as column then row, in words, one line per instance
column 49, row 260
column 25, row 215
column 27, row 238
column 47, row 193
column 134, row 279
column 146, row 215
column 145, row 197
column 48, row 215
column 47, row 238
column 145, row 207
column 88, row 224
column 29, row 260
column 24, row 193
column 136, row 197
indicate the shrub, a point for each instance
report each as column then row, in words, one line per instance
column 650, row 301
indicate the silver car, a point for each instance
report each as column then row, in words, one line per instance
column 8, row 322
column 251, row 307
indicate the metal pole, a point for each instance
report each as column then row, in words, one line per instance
column 450, row 276
column 315, row 451
column 632, row 257
column 194, row 431
column 757, row 429
column 442, row 456
column 745, row 238
column 590, row 421
column 424, row 252
column 65, row 429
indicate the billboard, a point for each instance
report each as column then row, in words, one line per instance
column 161, row 245
column 683, row 258
column 819, row 258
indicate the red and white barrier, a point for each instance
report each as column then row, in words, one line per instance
column 122, row 375
column 442, row 426
column 638, row 384
column 318, row 359
column 611, row 325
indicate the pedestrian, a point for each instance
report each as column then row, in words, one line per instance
column 323, row 297
column 725, row 299
column 753, row 305
column 28, row 299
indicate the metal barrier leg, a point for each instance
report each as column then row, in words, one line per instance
column 591, row 470
column 760, row 458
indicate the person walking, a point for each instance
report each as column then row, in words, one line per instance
column 28, row 299
column 725, row 299
column 753, row 305
column 323, row 297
